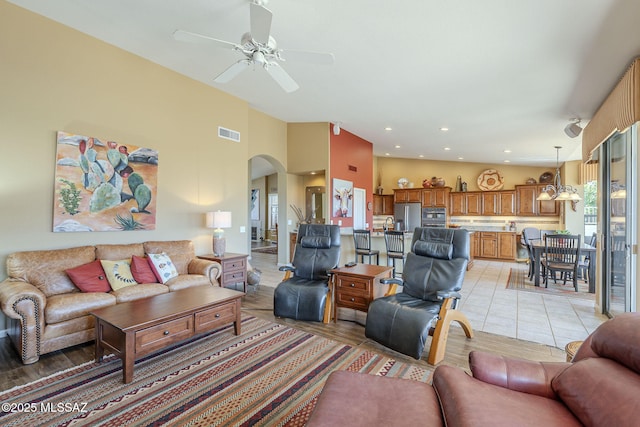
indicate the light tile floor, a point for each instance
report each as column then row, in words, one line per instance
column 550, row 319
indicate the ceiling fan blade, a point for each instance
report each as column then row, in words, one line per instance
column 227, row 75
column 282, row 78
column 316, row 58
column 186, row 36
column 260, row 23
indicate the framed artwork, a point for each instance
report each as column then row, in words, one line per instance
column 255, row 204
column 342, row 198
column 103, row 186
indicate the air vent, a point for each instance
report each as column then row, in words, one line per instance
column 228, row 134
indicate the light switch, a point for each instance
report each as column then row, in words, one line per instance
column 289, row 222
column 340, row 222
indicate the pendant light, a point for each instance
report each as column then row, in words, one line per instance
column 557, row 191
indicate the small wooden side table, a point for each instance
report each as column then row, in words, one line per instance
column 234, row 270
column 355, row 287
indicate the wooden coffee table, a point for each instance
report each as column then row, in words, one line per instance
column 133, row 329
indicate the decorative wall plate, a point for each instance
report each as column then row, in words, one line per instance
column 490, row 179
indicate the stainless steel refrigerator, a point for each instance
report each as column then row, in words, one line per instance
column 410, row 214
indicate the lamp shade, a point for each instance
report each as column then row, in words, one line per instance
column 219, row 219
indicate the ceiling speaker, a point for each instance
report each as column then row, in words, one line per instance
column 572, row 129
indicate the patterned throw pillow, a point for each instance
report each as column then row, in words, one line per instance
column 89, row 277
column 162, row 267
column 141, row 270
column 118, row 273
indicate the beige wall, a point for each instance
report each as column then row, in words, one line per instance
column 416, row 170
column 308, row 147
column 55, row 78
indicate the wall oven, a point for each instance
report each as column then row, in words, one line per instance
column 434, row 217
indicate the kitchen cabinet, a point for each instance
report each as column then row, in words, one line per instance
column 474, row 203
column 528, row 205
column 490, row 203
column 496, row 245
column 488, row 244
column 458, row 204
column 383, row 204
column 507, row 203
column 407, row 195
column 474, row 248
column 507, row 245
column 475, row 244
column 547, row 207
column 437, row 197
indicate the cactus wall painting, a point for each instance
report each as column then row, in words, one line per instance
column 102, row 185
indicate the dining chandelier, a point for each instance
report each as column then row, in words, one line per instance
column 557, row 191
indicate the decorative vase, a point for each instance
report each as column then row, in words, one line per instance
column 380, row 190
column 437, row 182
column 459, row 183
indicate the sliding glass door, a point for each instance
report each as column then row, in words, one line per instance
column 618, row 200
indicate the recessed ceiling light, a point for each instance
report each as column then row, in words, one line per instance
column 387, row 128
column 507, row 161
column 312, row 173
column 460, row 158
column 443, row 129
column 507, row 151
column 397, row 146
column 447, row 149
column 421, row 155
column 387, row 154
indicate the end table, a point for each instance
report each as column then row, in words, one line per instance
column 234, row 270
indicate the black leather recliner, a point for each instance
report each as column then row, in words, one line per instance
column 433, row 275
column 303, row 293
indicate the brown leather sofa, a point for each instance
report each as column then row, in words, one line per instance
column 47, row 312
column 598, row 388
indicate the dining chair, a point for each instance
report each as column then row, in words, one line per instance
column 529, row 235
column 394, row 241
column 562, row 253
column 362, row 240
column 583, row 264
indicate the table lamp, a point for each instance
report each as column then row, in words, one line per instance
column 219, row 220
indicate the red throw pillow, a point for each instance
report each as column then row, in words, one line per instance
column 141, row 271
column 89, row 277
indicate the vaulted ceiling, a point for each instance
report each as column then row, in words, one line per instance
column 499, row 74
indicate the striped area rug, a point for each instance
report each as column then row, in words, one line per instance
column 269, row 375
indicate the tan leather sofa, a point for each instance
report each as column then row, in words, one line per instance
column 47, row 312
column 598, row 388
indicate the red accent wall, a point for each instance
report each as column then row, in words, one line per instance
column 348, row 150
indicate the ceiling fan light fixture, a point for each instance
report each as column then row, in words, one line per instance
column 258, row 58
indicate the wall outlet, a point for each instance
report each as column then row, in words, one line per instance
column 339, row 222
column 289, row 222
column 243, row 229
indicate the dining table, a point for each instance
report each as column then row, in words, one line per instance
column 538, row 248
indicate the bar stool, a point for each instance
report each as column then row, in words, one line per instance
column 394, row 240
column 362, row 240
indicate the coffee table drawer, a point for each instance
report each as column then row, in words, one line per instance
column 214, row 317
column 164, row 334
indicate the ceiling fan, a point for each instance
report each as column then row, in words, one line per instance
column 258, row 48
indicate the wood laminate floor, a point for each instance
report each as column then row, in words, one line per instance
column 499, row 318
